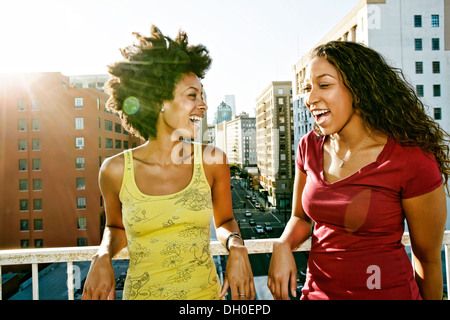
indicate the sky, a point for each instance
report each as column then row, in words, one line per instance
column 251, row 42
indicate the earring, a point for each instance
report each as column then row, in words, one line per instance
column 162, row 109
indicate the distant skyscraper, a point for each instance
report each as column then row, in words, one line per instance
column 230, row 101
column 224, row 113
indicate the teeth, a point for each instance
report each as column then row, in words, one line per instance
column 319, row 112
column 195, row 118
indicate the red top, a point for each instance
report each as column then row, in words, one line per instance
column 356, row 249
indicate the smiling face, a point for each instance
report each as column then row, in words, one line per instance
column 185, row 112
column 327, row 98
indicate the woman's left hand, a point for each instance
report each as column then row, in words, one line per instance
column 239, row 275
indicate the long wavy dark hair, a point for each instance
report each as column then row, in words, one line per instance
column 147, row 77
column 387, row 102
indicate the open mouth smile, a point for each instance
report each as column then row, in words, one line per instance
column 320, row 115
column 195, row 118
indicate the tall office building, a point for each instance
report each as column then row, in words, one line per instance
column 224, row 113
column 230, row 100
column 274, row 142
column 413, row 35
column 241, row 141
column 53, row 139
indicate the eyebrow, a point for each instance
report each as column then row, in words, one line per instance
column 325, row 75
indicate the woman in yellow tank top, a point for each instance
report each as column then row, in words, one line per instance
column 160, row 197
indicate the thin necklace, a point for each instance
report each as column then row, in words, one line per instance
column 354, row 154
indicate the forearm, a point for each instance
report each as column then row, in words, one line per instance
column 428, row 275
column 113, row 241
column 296, row 232
column 223, row 232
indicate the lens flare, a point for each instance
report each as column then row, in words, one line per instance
column 131, row 105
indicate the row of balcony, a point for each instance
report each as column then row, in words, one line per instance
column 69, row 255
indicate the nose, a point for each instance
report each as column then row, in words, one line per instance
column 311, row 97
column 202, row 105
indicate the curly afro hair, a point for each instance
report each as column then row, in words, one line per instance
column 147, row 77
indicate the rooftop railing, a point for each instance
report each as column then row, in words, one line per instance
column 34, row 257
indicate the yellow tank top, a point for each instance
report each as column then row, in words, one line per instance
column 168, row 239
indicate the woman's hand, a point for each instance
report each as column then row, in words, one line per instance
column 100, row 282
column 282, row 272
column 239, row 275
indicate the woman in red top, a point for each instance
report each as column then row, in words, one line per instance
column 374, row 159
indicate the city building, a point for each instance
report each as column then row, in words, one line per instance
column 412, row 35
column 241, row 141
column 54, row 138
column 274, row 142
column 224, row 113
column 209, row 136
column 230, row 100
column 89, row 81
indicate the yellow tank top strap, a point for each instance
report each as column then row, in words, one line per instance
column 128, row 170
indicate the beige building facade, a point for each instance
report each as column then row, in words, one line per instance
column 274, row 142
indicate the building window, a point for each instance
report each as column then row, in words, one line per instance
column 23, row 204
column 38, row 243
column 37, row 204
column 82, row 242
column 79, row 143
column 24, row 225
column 78, row 103
column 22, row 125
column 35, row 105
column 81, row 222
column 108, row 125
column 419, row 90
column 117, row 128
column 36, row 164
column 419, row 67
column 125, row 144
column 435, row 44
column 417, row 21
column 36, row 144
column 23, row 165
column 35, row 124
column 437, row 113
column 108, row 143
column 118, row 144
column 79, row 163
column 435, row 20
column 79, row 123
column 23, row 184
column 81, row 203
column 436, row 67
column 24, row 243
column 81, row 185
column 436, row 90
column 21, row 105
column 418, row 44
column 22, row 145
column 37, row 184
column 38, row 225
